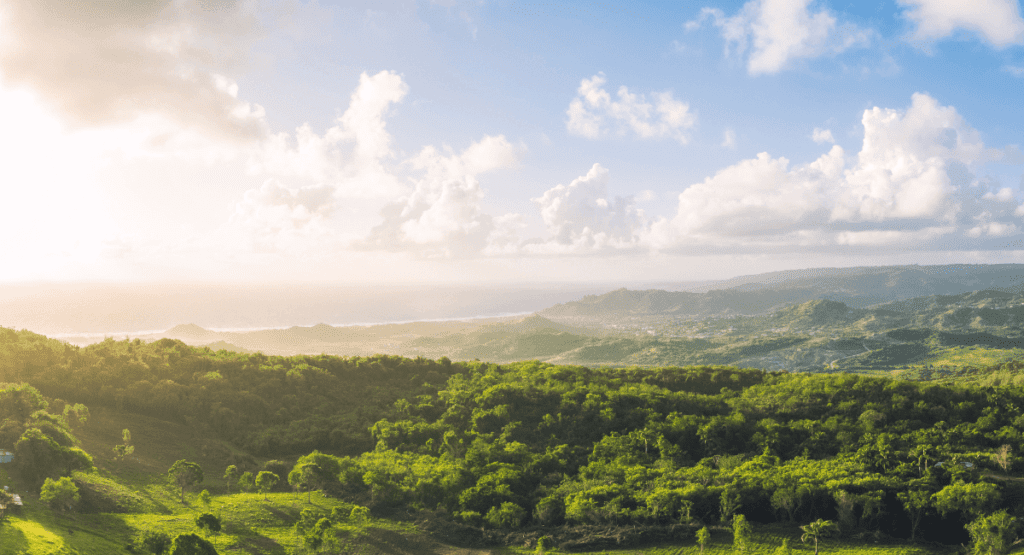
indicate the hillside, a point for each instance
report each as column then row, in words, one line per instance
column 814, row 335
column 759, row 294
column 498, row 457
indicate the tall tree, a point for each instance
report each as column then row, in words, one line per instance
column 265, row 481
column 185, row 474
column 916, row 502
column 305, row 477
column 817, row 530
column 703, row 535
column 230, row 476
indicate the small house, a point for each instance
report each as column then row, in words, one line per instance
column 6, row 456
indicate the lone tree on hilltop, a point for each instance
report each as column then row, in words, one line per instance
column 185, row 474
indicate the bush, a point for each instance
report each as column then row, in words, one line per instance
column 509, row 515
column 191, row 544
column 60, row 494
column 208, row 522
column 153, row 542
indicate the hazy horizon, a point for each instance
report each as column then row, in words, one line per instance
column 111, row 309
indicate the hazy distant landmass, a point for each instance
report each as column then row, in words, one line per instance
column 810, row 320
column 63, row 310
column 758, row 294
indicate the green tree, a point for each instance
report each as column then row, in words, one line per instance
column 359, row 514
column 703, row 535
column 124, row 450
column 60, row 494
column 305, row 477
column 38, row 456
column 185, row 474
column 729, row 503
column 816, row 530
column 971, row 500
column 205, row 499
column 246, row 482
column 322, row 535
column 265, row 481
column 230, row 476
column 784, row 549
column 315, row 471
column 993, row 534
column 916, row 502
column 741, row 530
column 75, row 414
column 191, row 544
column 208, row 522
column 787, row 499
column 153, row 542
column 508, row 515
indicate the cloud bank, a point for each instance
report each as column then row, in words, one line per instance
column 910, row 184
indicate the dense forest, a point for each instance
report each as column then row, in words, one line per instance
column 481, row 452
column 267, row 405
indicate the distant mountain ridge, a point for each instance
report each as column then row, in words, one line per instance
column 765, row 293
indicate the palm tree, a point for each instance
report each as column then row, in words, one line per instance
column 817, row 530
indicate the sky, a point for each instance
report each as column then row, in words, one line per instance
column 500, row 141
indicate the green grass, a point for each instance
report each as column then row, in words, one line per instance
column 969, row 356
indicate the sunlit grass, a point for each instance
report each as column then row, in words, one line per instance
column 970, row 356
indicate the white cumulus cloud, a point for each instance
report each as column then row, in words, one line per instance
column 910, row 184
column 756, row 197
column 442, row 215
column 902, row 169
column 351, row 154
column 998, row 21
column 581, row 217
column 594, row 114
column 772, row 33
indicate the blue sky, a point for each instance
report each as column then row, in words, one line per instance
column 505, row 141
